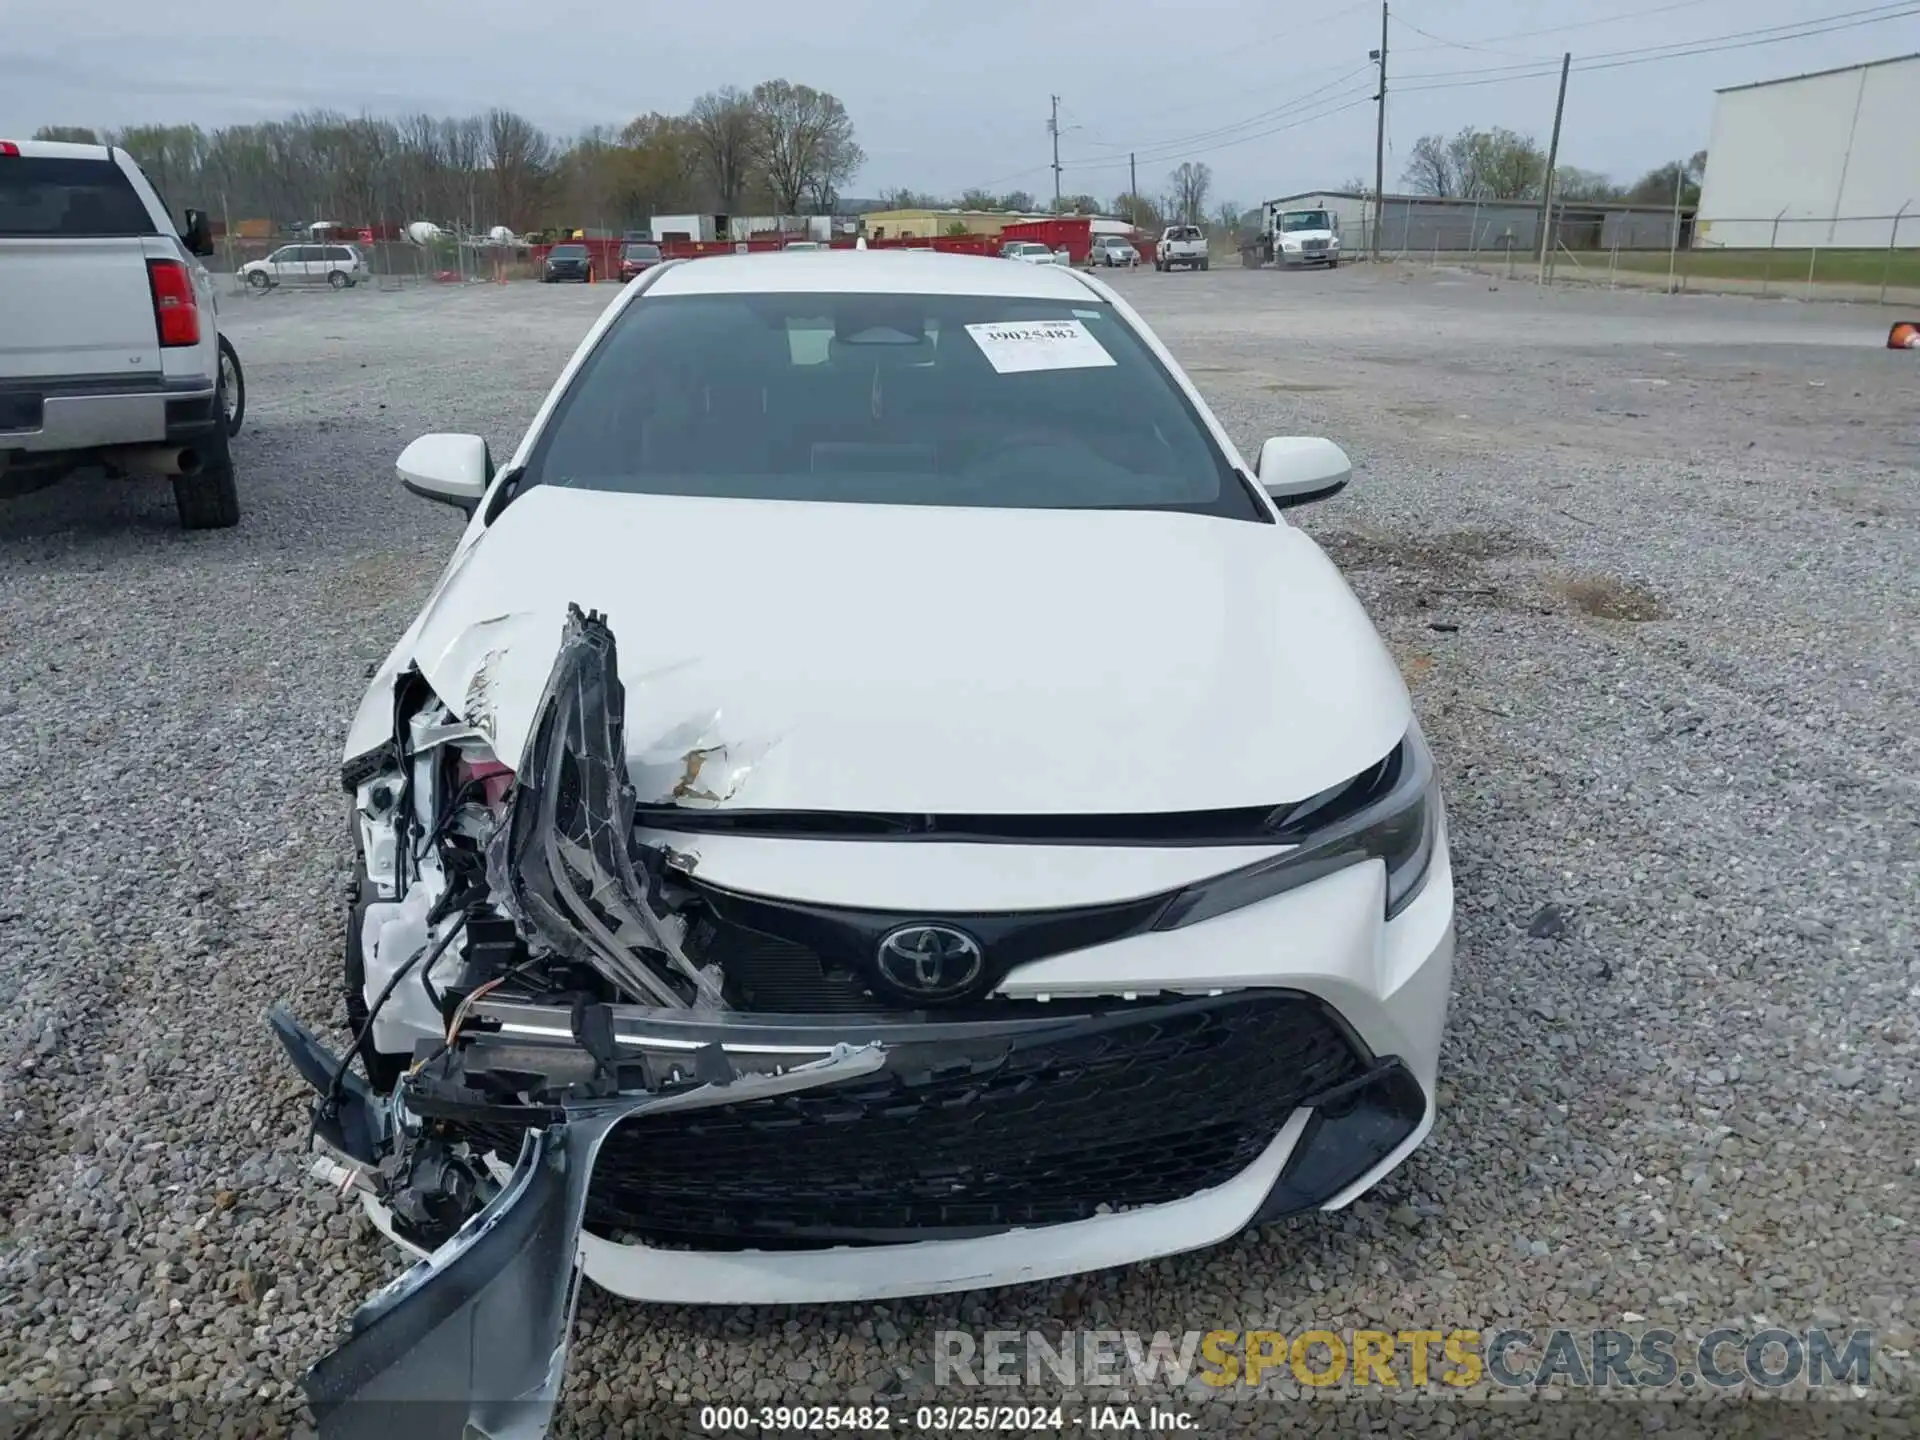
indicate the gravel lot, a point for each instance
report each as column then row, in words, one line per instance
column 1651, row 565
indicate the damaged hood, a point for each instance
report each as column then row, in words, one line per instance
column 912, row 659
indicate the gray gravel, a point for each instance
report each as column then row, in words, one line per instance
column 1652, row 567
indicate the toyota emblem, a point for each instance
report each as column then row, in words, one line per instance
column 930, row 962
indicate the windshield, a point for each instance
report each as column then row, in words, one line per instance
column 961, row 400
column 643, row 252
column 1305, row 220
column 568, row 252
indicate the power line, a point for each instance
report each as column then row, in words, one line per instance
column 1559, row 29
column 1464, row 45
column 1364, row 99
column 1737, row 40
column 1227, row 129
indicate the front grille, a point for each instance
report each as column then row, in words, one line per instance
column 796, row 958
column 1316, row 245
column 778, row 976
column 1176, row 1101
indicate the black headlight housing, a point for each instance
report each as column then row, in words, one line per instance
column 1390, row 812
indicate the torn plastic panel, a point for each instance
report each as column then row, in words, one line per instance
column 562, row 862
column 472, row 1340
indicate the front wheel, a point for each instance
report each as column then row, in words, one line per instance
column 1333, row 262
column 209, row 499
column 337, row 279
column 232, row 386
column 258, row 279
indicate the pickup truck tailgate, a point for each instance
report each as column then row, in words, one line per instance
column 76, row 307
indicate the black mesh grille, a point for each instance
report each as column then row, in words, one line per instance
column 781, row 977
column 1138, row 1114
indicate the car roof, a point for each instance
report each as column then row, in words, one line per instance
column 871, row 272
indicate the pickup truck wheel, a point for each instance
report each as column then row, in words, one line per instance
column 259, row 279
column 209, row 499
column 336, row 280
column 1204, row 264
column 233, row 387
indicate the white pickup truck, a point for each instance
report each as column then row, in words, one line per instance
column 1181, row 247
column 110, row 347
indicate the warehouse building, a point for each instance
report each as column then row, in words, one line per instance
column 1422, row 224
column 1826, row 159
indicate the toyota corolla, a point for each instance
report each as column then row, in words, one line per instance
column 880, row 801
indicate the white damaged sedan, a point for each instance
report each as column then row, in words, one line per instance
column 881, row 801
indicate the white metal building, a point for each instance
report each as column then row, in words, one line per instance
column 1830, row 158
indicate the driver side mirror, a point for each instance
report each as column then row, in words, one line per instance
column 452, row 469
column 198, row 236
column 1300, row 469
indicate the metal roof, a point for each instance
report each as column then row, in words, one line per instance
column 1814, row 74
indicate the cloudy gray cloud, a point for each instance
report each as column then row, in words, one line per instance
column 954, row 94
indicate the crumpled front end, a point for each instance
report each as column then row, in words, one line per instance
column 714, row 1054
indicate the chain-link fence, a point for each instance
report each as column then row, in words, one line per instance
column 1857, row 257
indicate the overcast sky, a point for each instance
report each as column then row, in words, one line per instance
column 946, row 95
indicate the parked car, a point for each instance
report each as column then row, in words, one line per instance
column 805, row 245
column 637, row 258
column 1111, row 250
column 110, row 346
column 568, row 262
column 1033, row 253
column 784, row 885
column 340, row 266
column 1181, row 247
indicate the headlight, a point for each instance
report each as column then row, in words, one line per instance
column 1391, row 813
column 1334, row 243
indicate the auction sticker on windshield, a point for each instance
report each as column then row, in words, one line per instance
column 1014, row 346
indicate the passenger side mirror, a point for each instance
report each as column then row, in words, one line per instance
column 198, row 237
column 1299, row 469
column 453, row 469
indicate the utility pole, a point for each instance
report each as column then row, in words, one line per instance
column 1133, row 193
column 1053, row 129
column 1553, row 157
column 1380, row 139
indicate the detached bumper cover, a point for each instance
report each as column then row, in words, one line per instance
column 473, row 1339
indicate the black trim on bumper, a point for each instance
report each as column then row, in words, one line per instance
column 1354, row 1126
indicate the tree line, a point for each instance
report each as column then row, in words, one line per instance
column 1186, row 199
column 1502, row 164
column 778, row 148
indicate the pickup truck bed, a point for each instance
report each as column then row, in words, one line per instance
column 110, row 354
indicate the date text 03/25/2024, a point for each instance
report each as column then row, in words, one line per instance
column 939, row 1419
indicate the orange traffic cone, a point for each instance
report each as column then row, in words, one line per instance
column 1905, row 335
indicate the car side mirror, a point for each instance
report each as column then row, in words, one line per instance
column 453, row 469
column 198, row 236
column 1299, row 469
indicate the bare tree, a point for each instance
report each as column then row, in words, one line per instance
column 1430, row 168
column 70, row 134
column 1188, row 187
column 722, row 125
column 517, row 153
column 1227, row 215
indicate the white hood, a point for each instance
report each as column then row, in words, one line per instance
column 923, row 660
